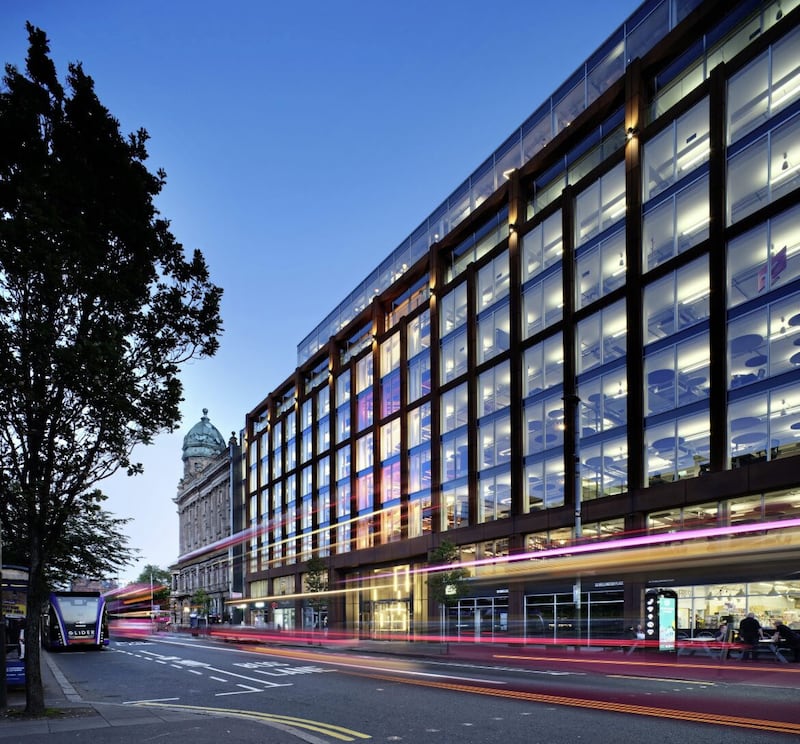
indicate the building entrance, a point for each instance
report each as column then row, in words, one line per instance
column 481, row 617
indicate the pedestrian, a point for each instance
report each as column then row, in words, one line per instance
column 722, row 633
column 750, row 634
column 785, row 636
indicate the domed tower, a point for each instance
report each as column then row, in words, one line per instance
column 200, row 445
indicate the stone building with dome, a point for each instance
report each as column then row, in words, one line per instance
column 205, row 521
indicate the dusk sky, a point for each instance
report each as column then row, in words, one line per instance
column 302, row 142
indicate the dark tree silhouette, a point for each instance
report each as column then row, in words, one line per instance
column 99, row 308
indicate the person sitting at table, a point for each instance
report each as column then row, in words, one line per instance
column 750, row 634
column 722, row 633
column 785, row 636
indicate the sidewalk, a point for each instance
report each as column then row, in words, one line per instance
column 70, row 712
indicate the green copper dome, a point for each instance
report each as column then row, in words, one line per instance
column 203, row 440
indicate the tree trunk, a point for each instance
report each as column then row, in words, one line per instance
column 36, row 597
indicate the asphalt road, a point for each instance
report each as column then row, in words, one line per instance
column 286, row 695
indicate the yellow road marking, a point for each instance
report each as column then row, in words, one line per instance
column 337, row 732
column 641, row 710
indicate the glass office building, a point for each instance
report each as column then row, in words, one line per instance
column 582, row 369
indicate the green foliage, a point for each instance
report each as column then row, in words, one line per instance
column 99, row 308
column 448, row 585
column 201, row 601
column 160, row 578
column 316, row 579
column 155, row 574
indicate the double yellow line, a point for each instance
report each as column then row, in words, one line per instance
column 783, row 727
column 274, row 719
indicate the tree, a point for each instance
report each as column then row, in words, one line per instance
column 99, row 309
column 155, row 574
column 316, row 580
column 201, row 600
column 159, row 580
column 446, row 585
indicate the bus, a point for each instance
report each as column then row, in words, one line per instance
column 75, row 620
column 133, row 612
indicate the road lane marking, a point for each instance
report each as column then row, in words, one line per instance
column 786, row 727
column 329, row 729
column 152, row 700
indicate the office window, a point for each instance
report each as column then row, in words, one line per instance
column 390, row 482
column 494, row 495
column 420, row 515
column 390, row 393
column 493, row 282
column 603, row 403
column 419, row 468
column 600, row 205
column 324, row 434
column 679, row 149
column 419, row 376
column 365, row 533
column 390, row 439
column 343, row 500
column 764, row 171
column 342, row 423
column 604, row 468
column 454, row 455
column 678, row 301
column 343, row 538
column 453, row 309
column 678, row 448
column 455, row 507
column 602, row 337
column 364, row 374
column 494, row 389
column 364, row 452
column 677, row 375
column 600, row 269
column 364, row 409
column 764, row 258
column 764, row 426
column 306, row 445
column 542, row 304
column 494, row 440
column 365, row 487
column 493, row 332
column 453, row 408
column 761, row 344
column 323, row 402
column 544, row 424
column 390, row 354
column 676, row 224
column 454, row 356
column 544, row 483
column 323, row 472
column 419, row 334
column 543, row 366
column 542, row 247
column 766, row 86
column 419, row 425
column 291, row 448
column 343, row 462
column 343, row 388
column 391, row 525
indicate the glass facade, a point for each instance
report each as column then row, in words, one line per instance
column 607, row 316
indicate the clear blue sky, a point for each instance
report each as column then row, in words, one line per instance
column 302, row 143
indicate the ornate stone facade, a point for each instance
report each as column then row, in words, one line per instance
column 204, row 523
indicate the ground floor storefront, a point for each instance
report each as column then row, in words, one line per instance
column 572, row 595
